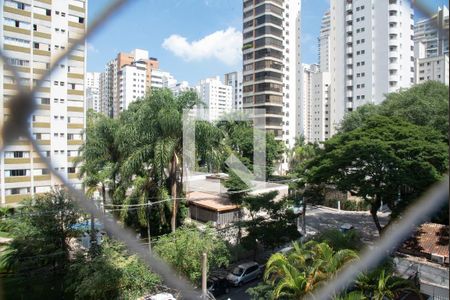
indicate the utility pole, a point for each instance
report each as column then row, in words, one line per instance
column 204, row 275
column 148, row 227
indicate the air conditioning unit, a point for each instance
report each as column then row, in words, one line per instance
column 438, row 258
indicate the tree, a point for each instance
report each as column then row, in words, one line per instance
column 308, row 265
column 340, row 240
column 271, row 222
column 151, row 139
column 100, row 156
column 112, row 274
column 384, row 161
column 39, row 253
column 239, row 137
column 382, row 285
column 183, row 249
column 423, row 104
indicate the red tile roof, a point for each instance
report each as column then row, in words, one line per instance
column 430, row 238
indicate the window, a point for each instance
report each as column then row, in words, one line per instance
column 18, row 172
column 81, row 20
column 71, row 170
column 48, row 12
column 34, row 27
column 36, row 45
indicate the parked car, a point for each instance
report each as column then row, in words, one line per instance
column 218, row 286
column 346, row 227
column 244, row 273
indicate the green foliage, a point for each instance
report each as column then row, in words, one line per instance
column 424, row 104
column 297, row 273
column 183, row 249
column 41, row 233
column 112, row 274
column 271, row 223
column 38, row 256
column 339, row 240
column 381, row 159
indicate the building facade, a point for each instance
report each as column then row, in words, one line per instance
column 114, row 77
column 324, row 43
column 33, row 34
column 271, row 63
column 433, row 33
column 93, row 91
column 216, row 96
column 371, row 51
column 234, row 79
column 431, row 48
column 314, row 112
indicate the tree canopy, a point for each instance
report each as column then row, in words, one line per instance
column 385, row 160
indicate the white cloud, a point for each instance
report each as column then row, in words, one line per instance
column 92, row 48
column 225, row 46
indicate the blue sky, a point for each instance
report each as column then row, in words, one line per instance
column 192, row 39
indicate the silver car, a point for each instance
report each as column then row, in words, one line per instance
column 244, row 273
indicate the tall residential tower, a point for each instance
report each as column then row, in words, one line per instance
column 271, row 63
column 33, row 34
column 372, row 52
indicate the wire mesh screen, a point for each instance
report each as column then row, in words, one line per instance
column 17, row 126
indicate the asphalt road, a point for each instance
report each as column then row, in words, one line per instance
column 320, row 218
column 238, row 293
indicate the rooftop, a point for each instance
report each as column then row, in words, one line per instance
column 429, row 239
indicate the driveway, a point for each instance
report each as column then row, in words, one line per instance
column 238, row 293
column 320, row 218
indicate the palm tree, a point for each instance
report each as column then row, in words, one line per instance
column 308, row 265
column 383, row 285
column 100, row 157
column 152, row 141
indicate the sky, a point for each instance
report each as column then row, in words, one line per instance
column 192, row 39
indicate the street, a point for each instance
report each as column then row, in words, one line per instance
column 238, row 293
column 320, row 218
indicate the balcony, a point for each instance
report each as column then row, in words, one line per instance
column 349, row 72
column 348, row 7
column 349, row 28
column 349, row 61
column 349, row 18
column 349, row 50
column 349, row 83
column 349, row 105
column 393, row 77
column 349, row 94
column 349, row 39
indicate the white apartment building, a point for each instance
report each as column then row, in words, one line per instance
column 431, row 48
column 32, row 35
column 433, row 33
column 216, row 96
column 271, row 63
column 161, row 79
column 432, row 68
column 181, row 87
column 131, row 83
column 324, row 43
column 93, row 91
column 371, row 51
column 314, row 112
column 114, row 98
column 234, row 79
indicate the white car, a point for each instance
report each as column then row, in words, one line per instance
column 244, row 273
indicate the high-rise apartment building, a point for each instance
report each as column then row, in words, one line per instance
column 314, row 112
column 33, row 34
column 114, row 97
column 271, row 63
column 324, row 43
column 234, row 79
column 431, row 48
column 371, row 51
column 433, row 33
column 161, row 79
column 216, row 96
column 93, row 91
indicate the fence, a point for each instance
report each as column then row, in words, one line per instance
column 23, row 105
